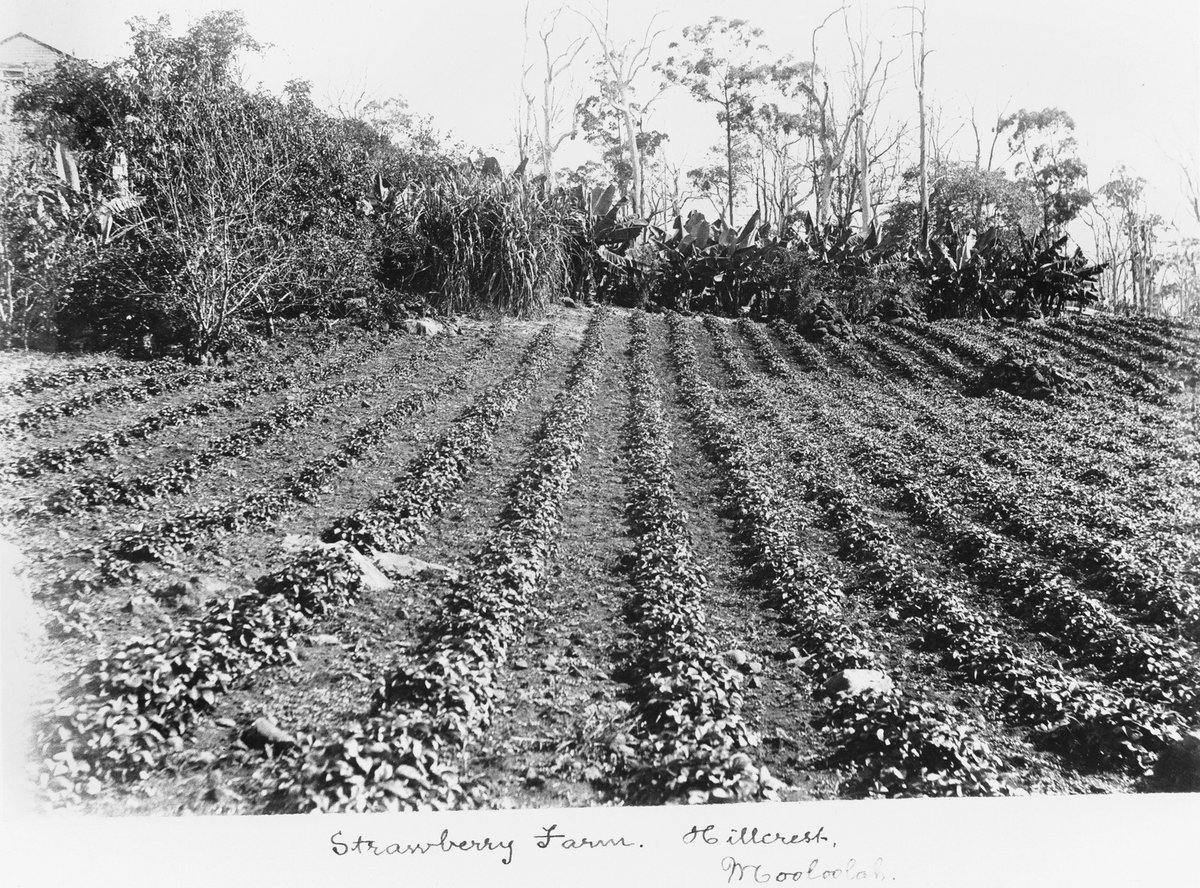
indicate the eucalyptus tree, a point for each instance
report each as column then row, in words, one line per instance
column 622, row 69
column 782, row 134
column 602, row 123
column 720, row 63
column 829, row 136
column 868, row 78
column 1047, row 161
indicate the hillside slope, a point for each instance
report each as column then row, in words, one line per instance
column 611, row 557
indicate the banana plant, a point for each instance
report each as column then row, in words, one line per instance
column 1045, row 276
column 838, row 245
column 603, row 227
column 81, row 203
column 968, row 275
column 710, row 266
column 962, row 272
column 385, row 199
column 602, row 260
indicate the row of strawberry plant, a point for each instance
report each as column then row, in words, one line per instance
column 1112, row 331
column 1050, row 511
column 1104, row 565
column 396, row 519
column 1102, row 725
column 1128, row 372
column 1098, row 562
column 895, row 357
column 115, row 561
column 133, row 391
column 163, row 540
column 690, row 742
column 940, row 358
column 121, row 714
column 1068, row 520
column 1092, row 632
column 760, row 342
column 1100, row 348
column 1122, row 340
column 179, row 475
column 1138, row 330
column 803, row 351
column 1101, row 563
column 1187, row 332
column 901, row 746
column 1098, row 725
column 952, row 339
column 845, row 353
column 776, row 365
column 403, row 756
column 1128, row 401
column 273, row 380
column 973, row 421
column 36, row 381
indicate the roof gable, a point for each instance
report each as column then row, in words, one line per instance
column 21, row 50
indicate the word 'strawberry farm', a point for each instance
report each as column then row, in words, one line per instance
column 613, row 557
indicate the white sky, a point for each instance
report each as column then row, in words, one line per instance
column 1127, row 72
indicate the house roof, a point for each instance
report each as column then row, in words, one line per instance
column 34, row 39
column 24, row 50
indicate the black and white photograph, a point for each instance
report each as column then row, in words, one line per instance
column 540, row 442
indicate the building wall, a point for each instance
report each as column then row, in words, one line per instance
column 22, row 51
column 21, row 56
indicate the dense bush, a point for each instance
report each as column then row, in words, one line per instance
column 969, row 276
column 42, row 247
column 233, row 208
column 180, row 211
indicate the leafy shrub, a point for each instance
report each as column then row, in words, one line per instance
column 970, row 276
column 43, row 244
column 241, row 207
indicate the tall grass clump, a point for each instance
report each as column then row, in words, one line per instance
column 475, row 241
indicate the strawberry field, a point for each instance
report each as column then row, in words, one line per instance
column 611, row 557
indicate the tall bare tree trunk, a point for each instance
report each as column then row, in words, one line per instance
column 547, row 149
column 864, row 179
column 923, row 166
column 729, row 152
column 922, row 148
column 635, row 156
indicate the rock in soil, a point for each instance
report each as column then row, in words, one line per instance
column 397, row 565
column 736, row 659
column 858, row 681
column 1026, row 376
column 294, row 542
column 265, row 732
column 372, row 577
column 894, row 308
column 423, row 327
column 823, row 320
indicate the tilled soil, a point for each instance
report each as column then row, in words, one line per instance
column 564, row 687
